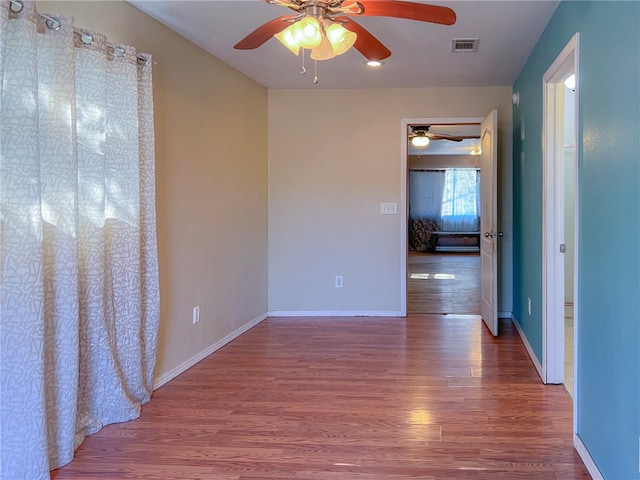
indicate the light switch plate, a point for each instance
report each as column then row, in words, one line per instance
column 388, row 208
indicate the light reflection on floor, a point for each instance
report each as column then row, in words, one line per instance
column 436, row 276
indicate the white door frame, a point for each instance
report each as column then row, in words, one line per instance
column 553, row 216
column 404, row 172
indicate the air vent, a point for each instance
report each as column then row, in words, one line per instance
column 465, row 44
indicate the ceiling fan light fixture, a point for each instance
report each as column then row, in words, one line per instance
column 288, row 39
column 326, row 40
column 420, row 141
column 307, row 32
column 324, row 51
column 340, row 38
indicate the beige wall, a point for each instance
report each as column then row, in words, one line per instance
column 211, row 184
column 334, row 155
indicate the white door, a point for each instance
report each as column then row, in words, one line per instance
column 488, row 222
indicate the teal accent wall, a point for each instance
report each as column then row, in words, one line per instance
column 608, row 265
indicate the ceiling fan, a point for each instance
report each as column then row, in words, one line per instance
column 327, row 27
column 419, row 135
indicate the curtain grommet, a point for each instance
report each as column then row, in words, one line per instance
column 16, row 6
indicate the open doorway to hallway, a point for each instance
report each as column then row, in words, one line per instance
column 569, row 230
column 560, row 220
column 443, row 218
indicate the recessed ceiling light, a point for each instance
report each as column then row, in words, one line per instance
column 375, row 63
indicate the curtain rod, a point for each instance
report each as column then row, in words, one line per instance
column 86, row 38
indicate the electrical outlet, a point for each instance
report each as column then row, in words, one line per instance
column 338, row 281
column 196, row 315
column 529, row 305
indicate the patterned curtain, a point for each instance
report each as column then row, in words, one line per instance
column 79, row 290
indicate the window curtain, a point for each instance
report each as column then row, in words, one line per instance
column 79, row 297
column 425, row 203
column 425, row 194
column 460, row 200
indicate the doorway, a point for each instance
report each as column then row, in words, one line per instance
column 443, row 260
column 488, row 233
column 569, row 229
column 560, row 221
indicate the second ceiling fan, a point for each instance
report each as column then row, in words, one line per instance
column 422, row 132
column 327, row 27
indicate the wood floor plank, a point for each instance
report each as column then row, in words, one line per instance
column 426, row 397
column 443, row 283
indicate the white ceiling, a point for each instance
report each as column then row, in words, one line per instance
column 421, row 52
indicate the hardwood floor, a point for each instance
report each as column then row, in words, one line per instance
column 443, row 283
column 426, row 397
column 568, row 353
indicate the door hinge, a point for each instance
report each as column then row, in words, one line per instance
column 563, row 248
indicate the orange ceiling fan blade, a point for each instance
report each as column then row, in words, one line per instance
column 264, row 32
column 410, row 10
column 366, row 43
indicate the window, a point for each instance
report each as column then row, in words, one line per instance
column 461, row 200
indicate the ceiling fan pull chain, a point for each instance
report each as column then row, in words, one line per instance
column 315, row 73
column 303, row 71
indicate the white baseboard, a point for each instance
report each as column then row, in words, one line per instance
column 345, row 313
column 184, row 366
column 586, row 459
column 505, row 315
column 527, row 346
